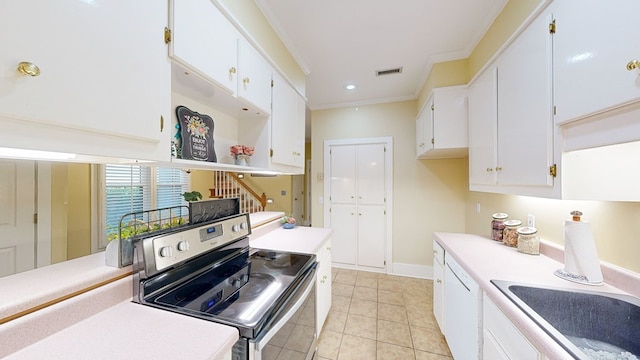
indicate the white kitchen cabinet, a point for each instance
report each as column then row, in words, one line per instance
column 287, row 126
column 438, row 285
column 502, row 340
column 358, row 205
column 323, row 284
column 483, row 122
column 590, row 67
column 524, row 157
column 204, row 41
column 442, row 125
column 102, row 84
column 254, row 77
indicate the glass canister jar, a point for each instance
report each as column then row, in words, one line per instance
column 510, row 234
column 497, row 225
column 528, row 240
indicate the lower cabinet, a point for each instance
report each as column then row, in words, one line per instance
column 502, row 340
column 438, row 285
column 323, row 285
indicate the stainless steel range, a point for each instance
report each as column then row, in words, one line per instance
column 208, row 271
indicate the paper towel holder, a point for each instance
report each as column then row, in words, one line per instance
column 574, row 276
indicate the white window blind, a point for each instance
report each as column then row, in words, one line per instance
column 129, row 189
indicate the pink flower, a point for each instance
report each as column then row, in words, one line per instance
column 241, row 150
column 291, row 220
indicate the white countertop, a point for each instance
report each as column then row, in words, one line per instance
column 133, row 331
column 486, row 260
column 300, row 239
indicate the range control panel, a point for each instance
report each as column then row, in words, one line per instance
column 164, row 251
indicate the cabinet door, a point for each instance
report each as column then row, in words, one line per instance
column 371, row 174
column 449, row 118
column 371, row 235
column 525, row 123
column 103, row 75
column 421, row 123
column 483, row 118
column 287, row 125
column 438, row 293
column 590, row 61
column 254, row 77
column 343, row 175
column 205, row 41
column 345, row 233
column 323, row 285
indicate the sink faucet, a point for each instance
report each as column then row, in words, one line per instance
column 581, row 262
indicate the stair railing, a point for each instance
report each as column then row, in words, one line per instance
column 229, row 185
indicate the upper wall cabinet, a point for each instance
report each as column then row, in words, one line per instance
column 483, row 120
column 287, row 126
column 86, row 77
column 597, row 68
column 441, row 126
column 205, row 41
column 254, row 77
column 512, row 137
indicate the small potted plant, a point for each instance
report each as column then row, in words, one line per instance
column 241, row 154
column 288, row 222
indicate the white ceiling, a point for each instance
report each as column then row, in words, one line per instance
column 342, row 41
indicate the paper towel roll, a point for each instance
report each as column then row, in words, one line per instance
column 580, row 254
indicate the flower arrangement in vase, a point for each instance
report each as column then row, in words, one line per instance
column 288, row 222
column 241, row 154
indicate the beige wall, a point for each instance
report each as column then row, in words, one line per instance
column 428, row 196
column 70, row 211
column 202, row 181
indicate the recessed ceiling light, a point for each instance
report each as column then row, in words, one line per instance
column 350, row 86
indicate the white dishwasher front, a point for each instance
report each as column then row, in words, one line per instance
column 463, row 311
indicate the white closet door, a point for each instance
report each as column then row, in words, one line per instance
column 345, row 233
column 343, row 174
column 17, row 230
column 371, row 235
column 371, row 174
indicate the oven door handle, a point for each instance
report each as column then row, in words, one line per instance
column 292, row 307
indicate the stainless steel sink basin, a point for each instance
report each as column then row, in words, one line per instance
column 588, row 324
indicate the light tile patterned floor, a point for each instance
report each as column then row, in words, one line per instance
column 377, row 316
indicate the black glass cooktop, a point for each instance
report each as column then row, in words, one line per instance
column 242, row 291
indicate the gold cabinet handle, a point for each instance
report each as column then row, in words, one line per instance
column 498, row 168
column 439, row 281
column 27, row 68
column 489, row 170
column 633, row 64
column 232, row 70
column 245, row 80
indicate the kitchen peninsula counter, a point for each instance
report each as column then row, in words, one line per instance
column 82, row 308
column 486, row 260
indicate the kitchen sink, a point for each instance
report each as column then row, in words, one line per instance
column 588, row 324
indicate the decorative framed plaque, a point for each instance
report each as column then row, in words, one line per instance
column 196, row 135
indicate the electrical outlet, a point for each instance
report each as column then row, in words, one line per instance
column 531, row 220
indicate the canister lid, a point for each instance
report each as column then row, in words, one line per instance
column 500, row 216
column 527, row 230
column 512, row 222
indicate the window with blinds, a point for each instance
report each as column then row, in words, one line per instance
column 129, row 189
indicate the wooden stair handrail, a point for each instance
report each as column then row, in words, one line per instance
column 262, row 198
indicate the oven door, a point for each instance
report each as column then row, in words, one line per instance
column 291, row 334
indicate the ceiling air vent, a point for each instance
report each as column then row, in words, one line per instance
column 389, row 71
